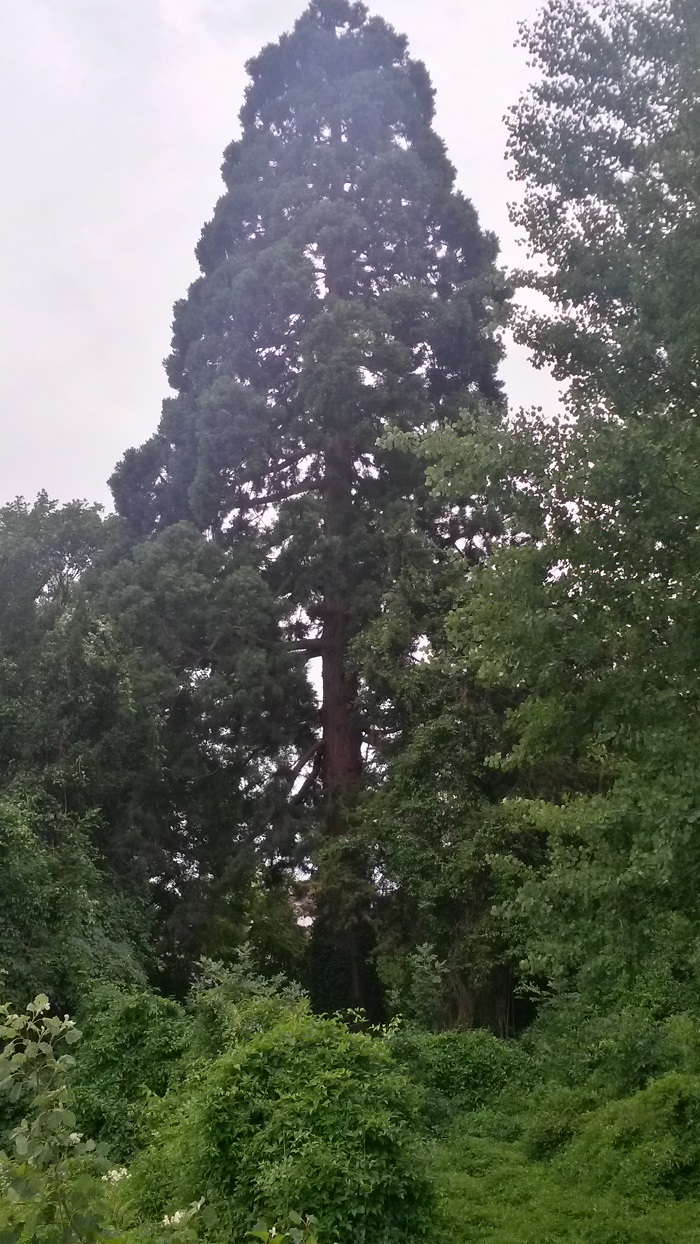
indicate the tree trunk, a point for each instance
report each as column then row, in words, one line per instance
column 343, row 938
column 342, row 737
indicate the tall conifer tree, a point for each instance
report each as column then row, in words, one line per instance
column 346, row 287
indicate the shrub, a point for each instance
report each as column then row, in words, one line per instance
column 617, row 1045
column 554, row 1118
column 644, row 1146
column 458, row 1070
column 53, row 1188
column 492, row 1194
column 231, row 1002
column 131, row 1044
column 299, row 1115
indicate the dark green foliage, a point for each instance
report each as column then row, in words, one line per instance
column 460, row 1071
column 615, row 1046
column 586, row 614
column 345, row 285
column 577, row 616
column 44, row 549
column 68, row 716
column 507, row 620
column 131, row 1044
column 337, row 968
column 446, row 858
column 450, row 863
column 229, row 707
column 144, row 689
column 73, row 735
column 63, row 924
column 337, row 172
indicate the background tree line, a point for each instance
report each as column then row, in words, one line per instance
column 358, row 644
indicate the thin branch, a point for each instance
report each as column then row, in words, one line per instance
column 303, row 761
column 314, row 647
column 292, row 460
column 274, row 498
column 311, row 780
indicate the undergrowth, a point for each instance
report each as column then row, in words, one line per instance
column 492, row 1191
column 564, row 1165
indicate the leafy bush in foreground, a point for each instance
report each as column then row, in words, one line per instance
column 297, row 1114
column 52, row 1187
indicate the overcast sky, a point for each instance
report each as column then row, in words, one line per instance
column 115, row 114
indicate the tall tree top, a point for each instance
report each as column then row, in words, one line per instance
column 338, row 190
column 331, row 42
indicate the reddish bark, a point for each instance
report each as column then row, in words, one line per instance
column 342, row 737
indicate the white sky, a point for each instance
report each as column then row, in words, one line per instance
column 115, row 114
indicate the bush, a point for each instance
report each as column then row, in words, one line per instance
column 458, row 1070
column 298, row 1114
column 52, row 1188
column 492, row 1194
column 231, row 1002
column 617, row 1045
column 131, row 1044
column 554, row 1117
column 643, row 1147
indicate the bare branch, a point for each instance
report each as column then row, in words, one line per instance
column 303, row 760
column 274, row 498
column 311, row 780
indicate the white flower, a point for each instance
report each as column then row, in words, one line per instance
column 75, row 1138
column 115, row 1176
column 172, row 1220
column 183, row 1215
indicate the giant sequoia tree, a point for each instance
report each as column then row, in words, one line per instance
column 346, row 287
